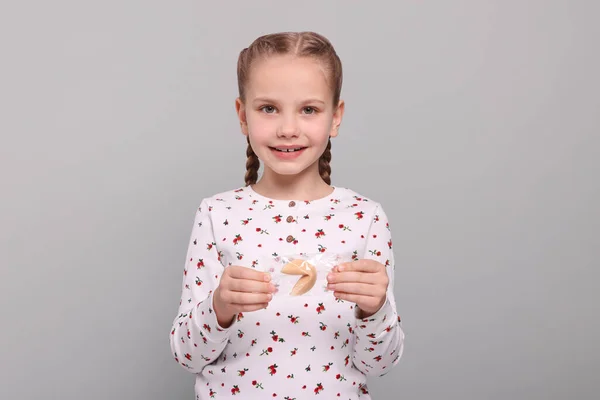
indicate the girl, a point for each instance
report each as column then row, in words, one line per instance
column 232, row 330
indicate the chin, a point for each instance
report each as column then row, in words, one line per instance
column 287, row 170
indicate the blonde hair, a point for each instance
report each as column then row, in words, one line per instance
column 301, row 44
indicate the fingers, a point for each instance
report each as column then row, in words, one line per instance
column 250, row 307
column 362, row 265
column 249, row 286
column 359, row 277
column 247, row 273
column 244, row 298
column 360, row 289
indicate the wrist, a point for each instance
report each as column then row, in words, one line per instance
column 362, row 314
column 224, row 316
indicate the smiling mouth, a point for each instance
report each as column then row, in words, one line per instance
column 288, row 150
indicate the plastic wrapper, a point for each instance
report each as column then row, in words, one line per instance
column 297, row 275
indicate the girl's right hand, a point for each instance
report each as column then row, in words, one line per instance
column 241, row 289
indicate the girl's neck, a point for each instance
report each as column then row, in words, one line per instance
column 296, row 187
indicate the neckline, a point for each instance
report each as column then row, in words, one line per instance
column 331, row 195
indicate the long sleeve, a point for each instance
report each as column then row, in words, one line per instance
column 196, row 337
column 379, row 338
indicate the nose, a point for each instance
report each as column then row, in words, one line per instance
column 288, row 127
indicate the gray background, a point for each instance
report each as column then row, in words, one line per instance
column 475, row 123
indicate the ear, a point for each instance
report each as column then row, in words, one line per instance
column 240, row 109
column 337, row 118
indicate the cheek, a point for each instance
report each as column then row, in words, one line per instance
column 260, row 129
column 318, row 130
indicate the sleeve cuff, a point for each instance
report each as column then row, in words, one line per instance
column 382, row 321
column 207, row 322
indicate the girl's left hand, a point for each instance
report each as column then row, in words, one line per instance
column 363, row 282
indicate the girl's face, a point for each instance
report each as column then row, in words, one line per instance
column 288, row 113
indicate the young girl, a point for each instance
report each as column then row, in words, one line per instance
column 232, row 329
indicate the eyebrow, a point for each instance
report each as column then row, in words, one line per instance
column 269, row 100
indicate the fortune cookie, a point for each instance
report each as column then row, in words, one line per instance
column 308, row 275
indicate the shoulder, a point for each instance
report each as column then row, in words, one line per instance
column 224, row 200
column 356, row 199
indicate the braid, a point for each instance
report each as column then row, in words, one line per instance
column 324, row 167
column 252, row 165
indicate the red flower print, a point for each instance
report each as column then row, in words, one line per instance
column 188, row 356
column 323, row 326
column 246, row 221
column 322, row 249
column 344, row 227
column 346, row 360
column 390, row 243
column 375, row 252
column 320, row 308
column 293, row 352
column 267, row 351
column 200, row 263
column 320, row 233
column 239, row 255
column 237, row 239
column 209, row 246
column 327, row 367
column 240, row 334
column 242, row 372
column 277, row 219
column 272, row 369
column 363, row 389
column 328, row 217
column 257, row 385
column 293, row 320
column 378, row 358
column 340, row 377
column 306, row 334
column 276, row 337
column 207, row 327
column 319, row 388
column 235, row 390
column 198, row 281
column 359, row 215
column 211, row 393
